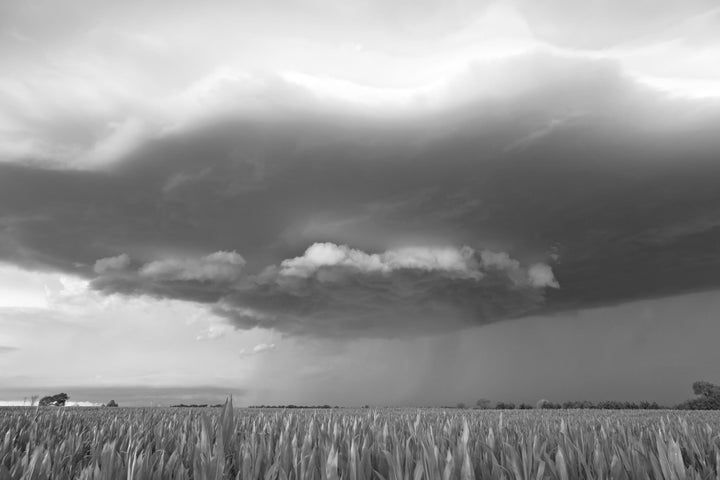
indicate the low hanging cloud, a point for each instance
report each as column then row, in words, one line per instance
column 216, row 267
column 541, row 275
column 334, row 290
column 203, row 279
column 452, row 261
column 110, row 264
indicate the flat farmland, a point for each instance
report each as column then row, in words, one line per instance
column 357, row 444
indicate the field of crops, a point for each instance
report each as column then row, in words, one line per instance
column 389, row 444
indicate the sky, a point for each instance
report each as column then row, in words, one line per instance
column 363, row 202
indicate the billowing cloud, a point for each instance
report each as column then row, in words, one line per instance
column 62, row 104
column 541, row 275
column 109, row 264
column 197, row 278
column 216, row 267
column 334, row 290
column 460, row 262
column 327, row 219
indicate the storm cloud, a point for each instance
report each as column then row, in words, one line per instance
column 538, row 182
column 336, row 291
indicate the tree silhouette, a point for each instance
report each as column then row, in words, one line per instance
column 708, row 397
column 57, row 400
column 706, row 389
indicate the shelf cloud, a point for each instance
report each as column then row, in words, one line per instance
column 334, row 290
column 337, row 291
column 390, row 185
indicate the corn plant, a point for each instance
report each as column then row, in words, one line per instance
column 384, row 444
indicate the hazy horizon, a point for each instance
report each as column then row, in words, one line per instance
column 384, row 203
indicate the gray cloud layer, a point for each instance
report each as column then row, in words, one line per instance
column 579, row 175
column 334, row 290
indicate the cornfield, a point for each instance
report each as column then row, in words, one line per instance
column 385, row 444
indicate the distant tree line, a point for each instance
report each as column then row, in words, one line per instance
column 196, row 405
column 707, row 398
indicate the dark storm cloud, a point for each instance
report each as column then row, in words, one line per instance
column 604, row 187
column 204, row 279
column 335, row 291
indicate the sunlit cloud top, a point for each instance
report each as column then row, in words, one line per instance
column 85, row 84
